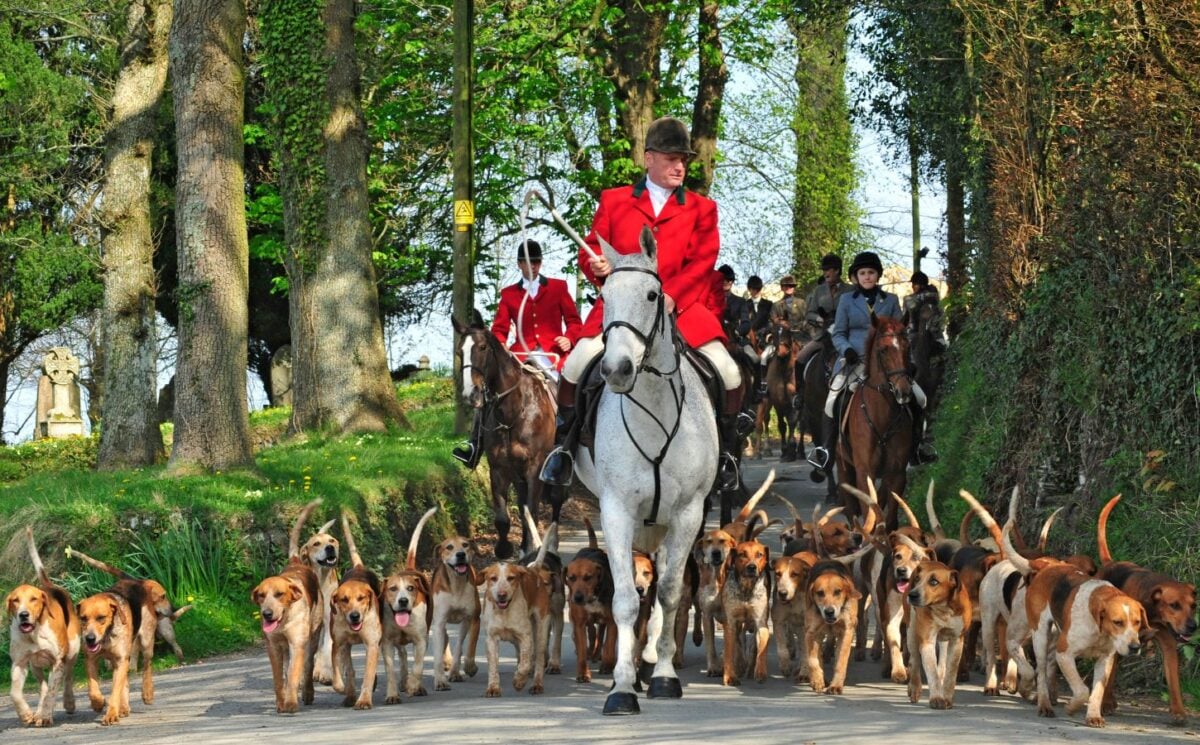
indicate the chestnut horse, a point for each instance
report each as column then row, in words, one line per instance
column 518, row 427
column 781, row 387
column 876, row 430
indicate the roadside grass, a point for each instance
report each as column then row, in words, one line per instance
column 210, row 538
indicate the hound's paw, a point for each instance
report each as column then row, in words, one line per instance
column 27, row 718
column 940, row 703
column 324, row 679
column 536, row 689
column 124, row 711
column 441, row 685
column 37, row 720
column 147, row 697
column 456, row 678
column 732, row 680
column 1095, row 721
column 393, row 700
column 991, row 690
column 492, row 692
column 585, row 678
column 835, row 690
column 97, row 704
column 554, row 669
column 1108, row 707
column 785, row 669
column 288, row 707
column 914, row 694
column 417, row 689
column 715, row 672
column 1076, row 705
column 112, row 717
column 900, row 676
column 471, row 668
column 1045, row 711
column 1177, row 720
column 362, row 704
column 519, row 682
column 818, row 686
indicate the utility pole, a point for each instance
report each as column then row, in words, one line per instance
column 914, row 177
column 463, row 291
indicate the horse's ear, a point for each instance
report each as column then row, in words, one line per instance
column 649, row 245
column 609, row 252
column 459, row 328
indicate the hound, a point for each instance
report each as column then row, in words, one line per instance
column 356, row 620
column 516, row 608
column 941, row 613
column 321, row 553
column 589, row 589
column 455, row 600
column 292, row 623
column 1170, row 608
column 153, row 616
column 712, row 554
column 746, row 602
column 972, row 563
column 645, row 582
column 788, row 609
column 44, row 636
column 407, row 608
column 558, row 596
column 107, row 626
column 833, row 600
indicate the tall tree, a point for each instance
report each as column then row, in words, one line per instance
column 130, row 435
column 339, row 364
column 212, row 428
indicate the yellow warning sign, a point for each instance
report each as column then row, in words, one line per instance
column 464, row 212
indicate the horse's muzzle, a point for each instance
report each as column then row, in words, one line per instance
column 619, row 374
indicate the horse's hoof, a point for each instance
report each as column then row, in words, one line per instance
column 620, row 703
column 817, row 476
column 664, row 687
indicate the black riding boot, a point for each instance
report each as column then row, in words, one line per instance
column 922, row 450
column 471, row 451
column 819, row 456
column 733, row 425
column 762, row 379
column 559, row 468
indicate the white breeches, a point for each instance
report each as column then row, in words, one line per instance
column 860, row 374
column 714, row 351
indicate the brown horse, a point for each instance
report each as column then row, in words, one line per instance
column 518, row 427
column 781, row 388
column 815, row 379
column 876, row 431
column 927, row 356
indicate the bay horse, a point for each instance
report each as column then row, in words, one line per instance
column 876, row 430
column 928, row 360
column 518, row 427
column 814, row 380
column 654, row 460
column 781, row 389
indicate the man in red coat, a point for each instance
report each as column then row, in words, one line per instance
column 544, row 322
column 685, row 228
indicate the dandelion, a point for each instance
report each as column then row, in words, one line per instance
column 353, row 458
column 190, row 598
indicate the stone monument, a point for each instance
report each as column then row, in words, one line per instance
column 58, row 396
column 281, row 376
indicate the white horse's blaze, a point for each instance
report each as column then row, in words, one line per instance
column 468, row 347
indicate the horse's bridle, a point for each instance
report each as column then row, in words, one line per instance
column 490, row 398
column 888, row 374
column 660, row 320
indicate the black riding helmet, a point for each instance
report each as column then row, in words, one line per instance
column 754, row 283
column 831, row 261
column 866, row 260
column 728, row 272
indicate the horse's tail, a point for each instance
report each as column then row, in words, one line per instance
column 1045, row 534
column 1102, row 530
column 294, row 536
column 410, row 561
column 592, row 542
column 934, row 525
column 355, row 559
column 748, row 508
column 986, row 518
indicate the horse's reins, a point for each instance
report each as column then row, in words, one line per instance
column 491, row 400
column 678, row 395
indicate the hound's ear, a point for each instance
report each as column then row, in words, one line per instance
column 1156, row 594
column 294, row 592
column 768, row 550
column 954, row 579
column 256, row 595
column 115, row 610
column 11, row 604
column 853, row 592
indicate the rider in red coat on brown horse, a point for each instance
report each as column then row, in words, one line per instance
column 549, row 326
column 685, row 228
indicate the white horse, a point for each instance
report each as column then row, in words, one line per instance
column 654, row 459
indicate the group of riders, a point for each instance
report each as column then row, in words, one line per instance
column 541, row 315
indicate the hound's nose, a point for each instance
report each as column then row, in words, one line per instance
column 268, row 614
column 641, row 591
column 750, row 571
column 460, row 557
column 329, row 551
column 354, row 617
column 783, row 595
column 23, row 615
column 1191, row 626
column 1135, row 648
column 716, row 557
column 579, row 598
column 90, row 639
column 914, row 597
column 830, row 614
column 402, row 602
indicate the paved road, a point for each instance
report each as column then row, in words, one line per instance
column 229, row 700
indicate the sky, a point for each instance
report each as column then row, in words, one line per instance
column 754, row 225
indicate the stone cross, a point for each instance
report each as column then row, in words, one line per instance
column 281, row 376
column 58, row 395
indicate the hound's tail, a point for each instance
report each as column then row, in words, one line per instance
column 748, row 508
column 355, row 559
column 1045, row 534
column 294, row 536
column 592, row 542
column 43, row 577
column 1102, row 530
column 410, row 561
column 986, row 518
column 934, row 525
column 912, row 518
column 1011, row 553
column 97, row 564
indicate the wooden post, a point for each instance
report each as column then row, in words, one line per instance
column 463, row 291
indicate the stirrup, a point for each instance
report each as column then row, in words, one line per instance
column 559, row 468
column 925, row 453
column 744, row 424
column 728, row 478
column 762, row 388
column 467, row 453
column 818, row 457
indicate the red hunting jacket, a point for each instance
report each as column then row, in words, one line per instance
column 546, row 317
column 686, row 232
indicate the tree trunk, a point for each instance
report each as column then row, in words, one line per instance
column 212, row 429
column 914, row 189
column 956, row 240
column 5, row 364
column 129, row 436
column 339, row 364
column 706, row 116
column 632, row 65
